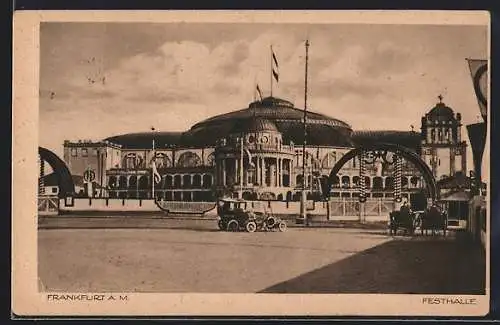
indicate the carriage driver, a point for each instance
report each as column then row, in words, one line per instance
column 405, row 208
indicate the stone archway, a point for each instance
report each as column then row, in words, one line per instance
column 64, row 178
column 406, row 153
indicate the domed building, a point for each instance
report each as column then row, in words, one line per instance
column 442, row 146
column 256, row 153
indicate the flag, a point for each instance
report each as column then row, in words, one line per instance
column 275, row 66
column 259, row 91
column 479, row 74
column 249, row 157
column 156, row 174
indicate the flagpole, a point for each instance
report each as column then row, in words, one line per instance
column 152, row 173
column 303, row 192
column 271, row 70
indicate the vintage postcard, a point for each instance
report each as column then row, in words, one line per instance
column 271, row 163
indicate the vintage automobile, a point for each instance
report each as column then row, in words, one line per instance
column 237, row 215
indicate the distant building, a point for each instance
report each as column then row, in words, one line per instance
column 442, row 146
column 204, row 162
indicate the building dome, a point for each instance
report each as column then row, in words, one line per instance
column 440, row 112
column 274, row 114
column 269, row 114
column 254, row 124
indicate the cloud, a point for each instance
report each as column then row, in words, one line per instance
column 174, row 75
column 387, row 59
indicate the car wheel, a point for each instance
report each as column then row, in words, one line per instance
column 270, row 222
column 282, row 226
column 251, row 226
column 233, row 225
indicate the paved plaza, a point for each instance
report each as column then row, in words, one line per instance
column 159, row 255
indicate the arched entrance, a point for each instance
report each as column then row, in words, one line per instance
column 404, row 152
column 63, row 175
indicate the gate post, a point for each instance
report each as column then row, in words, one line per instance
column 328, row 211
column 362, row 214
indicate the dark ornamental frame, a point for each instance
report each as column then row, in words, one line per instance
column 381, row 149
column 64, row 178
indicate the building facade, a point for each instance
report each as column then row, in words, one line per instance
column 442, row 146
column 256, row 153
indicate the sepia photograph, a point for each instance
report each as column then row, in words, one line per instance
column 249, row 155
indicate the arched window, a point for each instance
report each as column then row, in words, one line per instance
column 177, row 181
column 211, row 160
column 189, row 159
column 367, row 182
column 404, row 182
column 433, row 135
column 207, row 181
column 336, row 181
column 122, row 182
column 389, row 183
column 329, row 160
column 377, row 183
column 299, row 180
column 355, row 180
column 346, row 181
column 168, row 181
column 197, row 180
column 133, row 161
column 162, row 160
column 143, row 183
column 247, row 195
column 112, row 182
column 132, row 182
column 186, row 181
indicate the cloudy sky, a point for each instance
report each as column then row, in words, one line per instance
column 102, row 79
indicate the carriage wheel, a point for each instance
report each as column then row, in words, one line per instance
column 282, row 226
column 233, row 225
column 251, row 226
column 221, row 225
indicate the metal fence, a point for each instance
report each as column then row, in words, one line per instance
column 352, row 206
column 48, row 205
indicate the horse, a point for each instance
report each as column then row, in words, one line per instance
column 401, row 220
column 434, row 220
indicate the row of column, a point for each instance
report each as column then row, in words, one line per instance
column 262, row 166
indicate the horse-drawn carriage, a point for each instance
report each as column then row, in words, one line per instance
column 432, row 219
column 235, row 215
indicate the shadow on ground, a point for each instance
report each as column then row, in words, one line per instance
column 401, row 266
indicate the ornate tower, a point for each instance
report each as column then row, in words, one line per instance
column 442, row 146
